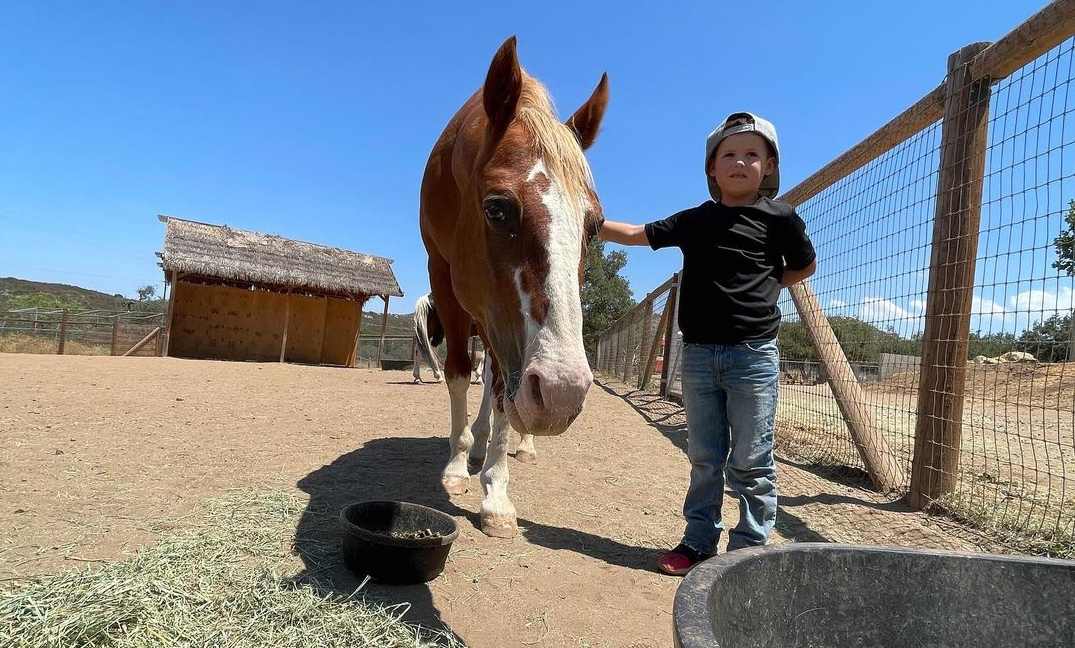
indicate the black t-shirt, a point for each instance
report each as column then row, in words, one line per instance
column 733, row 259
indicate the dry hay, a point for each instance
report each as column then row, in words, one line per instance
column 219, row 584
column 1051, row 385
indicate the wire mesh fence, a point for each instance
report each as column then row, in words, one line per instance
column 90, row 332
column 635, row 349
column 946, row 270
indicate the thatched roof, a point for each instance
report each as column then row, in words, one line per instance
column 222, row 252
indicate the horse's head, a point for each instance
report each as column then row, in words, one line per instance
column 529, row 209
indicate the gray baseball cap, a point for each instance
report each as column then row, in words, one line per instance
column 744, row 122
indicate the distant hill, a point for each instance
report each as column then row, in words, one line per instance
column 20, row 293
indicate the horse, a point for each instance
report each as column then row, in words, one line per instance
column 507, row 208
column 428, row 333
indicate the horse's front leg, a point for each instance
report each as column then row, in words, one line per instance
column 455, row 475
column 457, row 368
column 480, row 429
column 497, row 512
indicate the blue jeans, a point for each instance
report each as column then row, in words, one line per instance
column 730, row 393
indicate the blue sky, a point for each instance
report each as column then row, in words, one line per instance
column 313, row 120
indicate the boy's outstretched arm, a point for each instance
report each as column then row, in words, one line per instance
column 792, row 277
column 623, row 233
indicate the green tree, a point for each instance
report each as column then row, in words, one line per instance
column 606, row 296
column 1048, row 340
column 146, row 293
column 795, row 342
column 1065, row 262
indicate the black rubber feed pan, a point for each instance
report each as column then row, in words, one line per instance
column 396, row 542
column 816, row 594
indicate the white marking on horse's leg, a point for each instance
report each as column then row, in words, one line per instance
column 480, row 429
column 497, row 511
column 455, row 474
column 526, row 452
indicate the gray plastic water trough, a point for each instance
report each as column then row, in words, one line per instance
column 817, row 594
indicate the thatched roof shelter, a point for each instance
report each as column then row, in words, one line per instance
column 271, row 261
column 241, row 295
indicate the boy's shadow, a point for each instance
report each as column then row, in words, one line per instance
column 409, row 469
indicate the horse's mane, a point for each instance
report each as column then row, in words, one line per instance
column 556, row 142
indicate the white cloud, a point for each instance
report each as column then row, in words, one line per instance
column 1032, row 306
column 878, row 309
column 1042, row 300
column 837, row 303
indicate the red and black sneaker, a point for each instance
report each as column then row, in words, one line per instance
column 680, row 560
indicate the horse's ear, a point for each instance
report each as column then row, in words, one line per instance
column 503, row 85
column 587, row 120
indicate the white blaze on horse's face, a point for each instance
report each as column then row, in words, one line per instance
column 556, row 374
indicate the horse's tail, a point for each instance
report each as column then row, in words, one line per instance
column 433, row 327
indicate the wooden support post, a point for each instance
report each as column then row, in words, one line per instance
column 63, row 333
column 627, row 351
column 287, row 324
column 141, row 343
column 324, row 333
column 643, row 349
column 353, row 361
column 115, row 333
column 669, row 331
column 384, row 325
column 873, row 448
column 938, row 431
column 169, row 318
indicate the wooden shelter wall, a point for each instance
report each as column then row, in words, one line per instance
column 226, row 323
column 342, row 326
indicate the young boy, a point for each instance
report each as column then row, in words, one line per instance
column 739, row 249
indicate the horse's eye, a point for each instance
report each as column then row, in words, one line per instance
column 499, row 209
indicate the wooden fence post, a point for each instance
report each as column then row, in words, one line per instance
column 169, row 317
column 63, row 333
column 115, row 333
column 643, row 349
column 669, row 331
column 938, row 430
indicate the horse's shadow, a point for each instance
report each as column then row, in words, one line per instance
column 409, row 469
column 392, row 468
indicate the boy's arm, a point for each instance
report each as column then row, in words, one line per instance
column 792, row 277
column 623, row 233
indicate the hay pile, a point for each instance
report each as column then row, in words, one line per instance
column 216, row 585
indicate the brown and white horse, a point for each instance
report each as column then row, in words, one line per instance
column 508, row 205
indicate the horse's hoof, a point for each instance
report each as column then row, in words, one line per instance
column 525, row 457
column 454, row 485
column 499, row 526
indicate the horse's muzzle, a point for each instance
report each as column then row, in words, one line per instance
column 550, row 396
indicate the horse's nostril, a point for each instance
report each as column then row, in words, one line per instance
column 535, row 390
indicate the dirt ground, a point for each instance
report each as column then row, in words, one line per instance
column 99, row 452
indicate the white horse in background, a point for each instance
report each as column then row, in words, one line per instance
column 428, row 333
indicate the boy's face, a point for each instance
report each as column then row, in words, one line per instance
column 740, row 163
